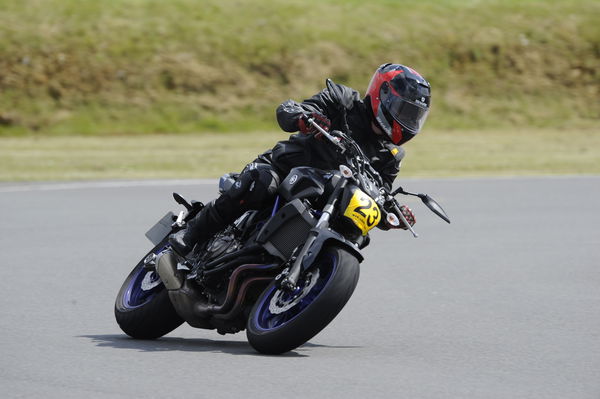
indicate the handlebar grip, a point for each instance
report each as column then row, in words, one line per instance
column 325, row 133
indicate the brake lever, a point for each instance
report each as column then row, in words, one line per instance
column 398, row 213
column 327, row 135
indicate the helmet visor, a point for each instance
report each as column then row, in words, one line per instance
column 410, row 114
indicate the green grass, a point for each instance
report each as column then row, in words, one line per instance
column 88, row 67
column 434, row 153
column 183, row 89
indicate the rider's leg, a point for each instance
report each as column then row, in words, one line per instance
column 255, row 186
column 206, row 223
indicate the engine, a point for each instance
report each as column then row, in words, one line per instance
column 222, row 244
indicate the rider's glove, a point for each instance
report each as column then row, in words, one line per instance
column 307, row 128
column 408, row 215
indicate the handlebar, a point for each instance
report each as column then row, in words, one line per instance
column 348, row 140
column 341, row 143
column 327, row 135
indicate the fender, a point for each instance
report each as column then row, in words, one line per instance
column 323, row 236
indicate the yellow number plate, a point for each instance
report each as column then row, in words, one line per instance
column 363, row 211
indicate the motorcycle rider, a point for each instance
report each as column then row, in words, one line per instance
column 392, row 112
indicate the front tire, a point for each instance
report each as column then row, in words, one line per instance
column 143, row 309
column 281, row 321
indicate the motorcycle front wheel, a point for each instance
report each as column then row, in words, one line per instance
column 282, row 320
column 143, row 309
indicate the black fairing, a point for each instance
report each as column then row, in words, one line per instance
column 287, row 229
column 306, row 182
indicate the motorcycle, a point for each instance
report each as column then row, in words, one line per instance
column 282, row 273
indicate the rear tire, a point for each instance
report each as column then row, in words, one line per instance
column 143, row 309
column 280, row 322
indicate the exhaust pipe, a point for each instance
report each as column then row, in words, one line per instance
column 192, row 306
column 166, row 267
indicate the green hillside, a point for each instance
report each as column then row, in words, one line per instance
column 153, row 66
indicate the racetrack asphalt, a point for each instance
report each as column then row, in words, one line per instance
column 502, row 303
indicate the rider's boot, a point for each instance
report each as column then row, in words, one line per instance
column 198, row 229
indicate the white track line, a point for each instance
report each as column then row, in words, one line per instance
column 57, row 186
column 21, row 187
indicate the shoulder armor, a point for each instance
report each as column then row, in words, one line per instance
column 342, row 94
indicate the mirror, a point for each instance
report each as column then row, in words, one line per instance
column 434, row 206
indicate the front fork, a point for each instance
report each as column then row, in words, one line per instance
column 291, row 280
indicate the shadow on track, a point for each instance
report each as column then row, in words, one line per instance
column 190, row 345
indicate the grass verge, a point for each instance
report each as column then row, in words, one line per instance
column 88, row 67
column 433, row 153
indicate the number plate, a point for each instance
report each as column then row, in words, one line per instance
column 363, row 211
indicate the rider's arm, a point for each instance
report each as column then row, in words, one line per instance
column 328, row 102
column 289, row 112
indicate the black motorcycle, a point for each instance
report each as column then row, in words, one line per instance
column 282, row 273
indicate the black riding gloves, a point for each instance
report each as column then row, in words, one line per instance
column 307, row 128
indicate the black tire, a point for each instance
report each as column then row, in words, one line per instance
column 149, row 315
column 271, row 333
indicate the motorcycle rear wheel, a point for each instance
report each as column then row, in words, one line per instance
column 143, row 309
column 281, row 321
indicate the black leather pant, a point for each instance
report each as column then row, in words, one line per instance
column 255, row 186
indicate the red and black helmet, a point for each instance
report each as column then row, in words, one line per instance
column 400, row 99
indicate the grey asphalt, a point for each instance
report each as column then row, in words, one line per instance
column 502, row 303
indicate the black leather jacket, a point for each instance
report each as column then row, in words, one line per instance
column 348, row 113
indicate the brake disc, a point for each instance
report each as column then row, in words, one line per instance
column 283, row 301
column 151, row 280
